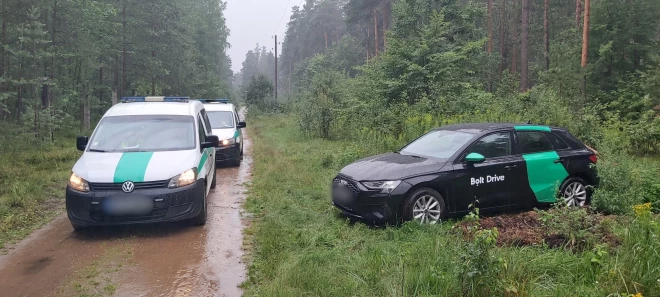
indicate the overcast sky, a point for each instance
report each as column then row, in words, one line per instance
column 254, row 21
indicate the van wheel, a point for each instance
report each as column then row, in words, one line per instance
column 200, row 219
column 425, row 206
column 574, row 192
column 213, row 182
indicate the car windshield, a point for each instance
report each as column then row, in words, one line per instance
column 438, row 144
column 143, row 133
column 221, row 119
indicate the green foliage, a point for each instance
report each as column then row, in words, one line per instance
column 259, row 92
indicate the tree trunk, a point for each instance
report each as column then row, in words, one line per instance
column 3, row 65
column 101, row 84
column 19, row 104
column 325, row 32
column 368, row 41
column 578, row 12
column 153, row 78
column 502, row 37
column 86, row 113
column 376, row 30
column 386, row 21
column 490, row 27
column 546, row 34
column 585, row 44
column 123, row 52
column 524, row 39
column 514, row 38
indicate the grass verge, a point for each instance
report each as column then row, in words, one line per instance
column 303, row 247
column 32, row 182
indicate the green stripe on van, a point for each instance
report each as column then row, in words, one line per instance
column 532, row 128
column 205, row 156
column 132, row 167
column 237, row 133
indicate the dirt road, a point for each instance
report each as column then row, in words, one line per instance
column 153, row 260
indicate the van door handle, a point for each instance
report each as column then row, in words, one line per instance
column 559, row 161
column 510, row 167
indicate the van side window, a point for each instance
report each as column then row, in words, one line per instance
column 200, row 131
column 207, row 122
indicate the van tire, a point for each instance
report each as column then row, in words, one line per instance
column 214, row 180
column 200, row 219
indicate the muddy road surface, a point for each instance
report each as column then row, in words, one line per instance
column 152, row 260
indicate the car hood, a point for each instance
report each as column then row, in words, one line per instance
column 390, row 166
column 225, row 133
column 137, row 167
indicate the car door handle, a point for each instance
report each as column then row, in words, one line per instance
column 559, row 161
column 510, row 167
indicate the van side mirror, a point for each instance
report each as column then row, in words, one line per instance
column 241, row 125
column 81, row 142
column 211, row 141
column 475, row 158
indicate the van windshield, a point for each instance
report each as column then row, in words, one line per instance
column 143, row 133
column 221, row 119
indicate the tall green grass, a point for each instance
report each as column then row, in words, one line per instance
column 303, row 247
column 33, row 179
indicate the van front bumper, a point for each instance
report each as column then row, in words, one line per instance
column 228, row 153
column 95, row 208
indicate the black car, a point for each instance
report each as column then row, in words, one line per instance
column 493, row 166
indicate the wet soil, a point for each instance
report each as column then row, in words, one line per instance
column 161, row 260
column 527, row 229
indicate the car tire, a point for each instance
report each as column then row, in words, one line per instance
column 424, row 205
column 241, row 149
column 200, row 219
column 214, row 179
column 77, row 228
column 575, row 192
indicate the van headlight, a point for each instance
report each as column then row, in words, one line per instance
column 184, row 179
column 228, row 142
column 386, row 187
column 78, row 183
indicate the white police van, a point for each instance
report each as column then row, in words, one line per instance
column 150, row 159
column 227, row 125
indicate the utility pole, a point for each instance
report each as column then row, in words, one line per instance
column 276, row 67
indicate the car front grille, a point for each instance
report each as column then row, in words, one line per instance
column 339, row 193
column 138, row 186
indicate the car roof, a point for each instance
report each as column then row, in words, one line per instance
column 478, row 128
column 190, row 108
column 219, row 106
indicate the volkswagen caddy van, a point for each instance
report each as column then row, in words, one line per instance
column 227, row 125
column 149, row 159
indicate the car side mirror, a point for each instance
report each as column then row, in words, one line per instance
column 81, row 142
column 242, row 125
column 211, row 141
column 475, row 158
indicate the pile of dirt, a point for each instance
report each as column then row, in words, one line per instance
column 526, row 229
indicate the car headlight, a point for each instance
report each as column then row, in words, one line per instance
column 384, row 186
column 184, row 179
column 229, row 141
column 78, row 183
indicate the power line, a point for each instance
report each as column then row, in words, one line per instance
column 282, row 18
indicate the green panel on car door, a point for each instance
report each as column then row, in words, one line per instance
column 544, row 175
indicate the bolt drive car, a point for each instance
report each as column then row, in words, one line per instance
column 227, row 125
column 150, row 159
column 494, row 166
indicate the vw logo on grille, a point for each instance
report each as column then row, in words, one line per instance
column 128, row 187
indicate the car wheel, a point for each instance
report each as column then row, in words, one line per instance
column 425, row 206
column 200, row 219
column 574, row 192
column 241, row 148
column 77, row 228
column 214, row 181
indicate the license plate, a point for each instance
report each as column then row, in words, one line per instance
column 129, row 205
column 343, row 194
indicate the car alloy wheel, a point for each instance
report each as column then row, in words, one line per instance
column 426, row 210
column 575, row 194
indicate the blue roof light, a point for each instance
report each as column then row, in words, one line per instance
column 154, row 99
column 214, row 100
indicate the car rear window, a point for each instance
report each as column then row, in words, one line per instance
column 557, row 142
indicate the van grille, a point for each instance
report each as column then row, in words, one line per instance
column 138, row 186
